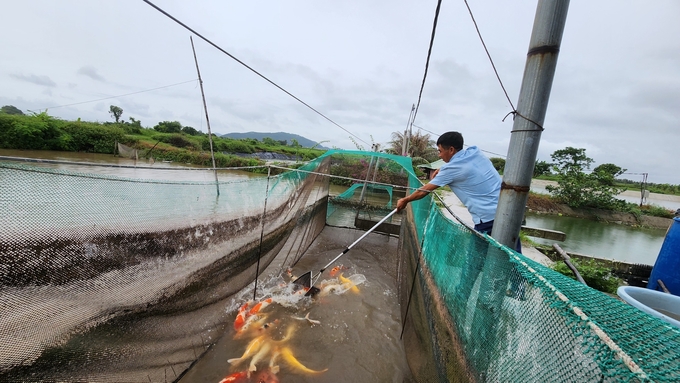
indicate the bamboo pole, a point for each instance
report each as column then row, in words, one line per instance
column 207, row 120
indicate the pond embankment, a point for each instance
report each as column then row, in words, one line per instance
column 543, row 205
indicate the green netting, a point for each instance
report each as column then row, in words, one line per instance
column 110, row 278
column 494, row 315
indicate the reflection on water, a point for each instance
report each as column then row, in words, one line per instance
column 602, row 240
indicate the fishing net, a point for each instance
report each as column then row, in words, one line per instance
column 481, row 312
column 111, row 278
column 126, row 151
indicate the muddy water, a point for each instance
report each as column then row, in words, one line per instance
column 356, row 338
column 141, row 169
column 601, row 239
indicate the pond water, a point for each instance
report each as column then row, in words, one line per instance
column 140, row 169
column 600, row 239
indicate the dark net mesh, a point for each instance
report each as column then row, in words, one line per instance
column 104, row 278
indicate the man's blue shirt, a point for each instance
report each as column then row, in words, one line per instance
column 474, row 180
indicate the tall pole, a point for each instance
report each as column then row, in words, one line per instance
column 539, row 71
column 404, row 150
column 207, row 120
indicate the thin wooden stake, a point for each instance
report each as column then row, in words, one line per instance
column 567, row 260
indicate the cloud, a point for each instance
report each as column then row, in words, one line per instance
column 91, row 72
column 38, row 80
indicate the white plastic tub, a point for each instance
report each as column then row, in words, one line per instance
column 655, row 303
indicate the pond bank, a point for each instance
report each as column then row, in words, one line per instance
column 542, row 205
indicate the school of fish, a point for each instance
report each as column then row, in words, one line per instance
column 259, row 362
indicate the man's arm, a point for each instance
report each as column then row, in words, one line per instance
column 416, row 195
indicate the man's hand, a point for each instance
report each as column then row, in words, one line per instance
column 416, row 195
column 401, row 204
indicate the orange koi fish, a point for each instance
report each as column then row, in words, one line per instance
column 237, row 377
column 260, row 305
column 336, row 269
column 241, row 316
column 266, row 376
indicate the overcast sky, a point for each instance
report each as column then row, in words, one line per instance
column 616, row 91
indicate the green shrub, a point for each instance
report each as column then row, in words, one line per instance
column 594, row 274
column 91, row 137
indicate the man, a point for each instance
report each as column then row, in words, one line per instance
column 470, row 175
column 474, row 180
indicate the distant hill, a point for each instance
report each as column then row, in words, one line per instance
column 278, row 136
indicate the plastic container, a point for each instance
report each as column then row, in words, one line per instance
column 667, row 265
column 655, row 303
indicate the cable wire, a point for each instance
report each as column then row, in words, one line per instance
column 429, row 54
column 122, row 95
column 514, row 111
column 436, row 134
column 250, row 68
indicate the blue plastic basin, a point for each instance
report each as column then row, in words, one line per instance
column 655, row 303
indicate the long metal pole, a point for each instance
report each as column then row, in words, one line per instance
column 539, row 71
column 207, row 120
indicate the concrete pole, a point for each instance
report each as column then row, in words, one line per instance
column 539, row 71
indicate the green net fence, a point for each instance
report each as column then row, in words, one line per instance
column 487, row 313
column 123, row 277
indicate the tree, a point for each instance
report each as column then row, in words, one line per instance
column 606, row 173
column 542, row 168
column 498, row 164
column 191, row 131
column 168, row 127
column 578, row 189
column 116, row 112
column 420, row 146
column 270, row 141
column 11, row 109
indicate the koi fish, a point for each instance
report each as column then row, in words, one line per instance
column 266, row 377
column 293, row 362
column 347, row 282
column 251, row 349
column 337, row 269
column 237, row 377
column 273, row 367
column 245, row 318
column 264, row 350
column 259, row 306
column 241, row 316
column 308, row 319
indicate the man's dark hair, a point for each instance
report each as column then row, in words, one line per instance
column 449, row 139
